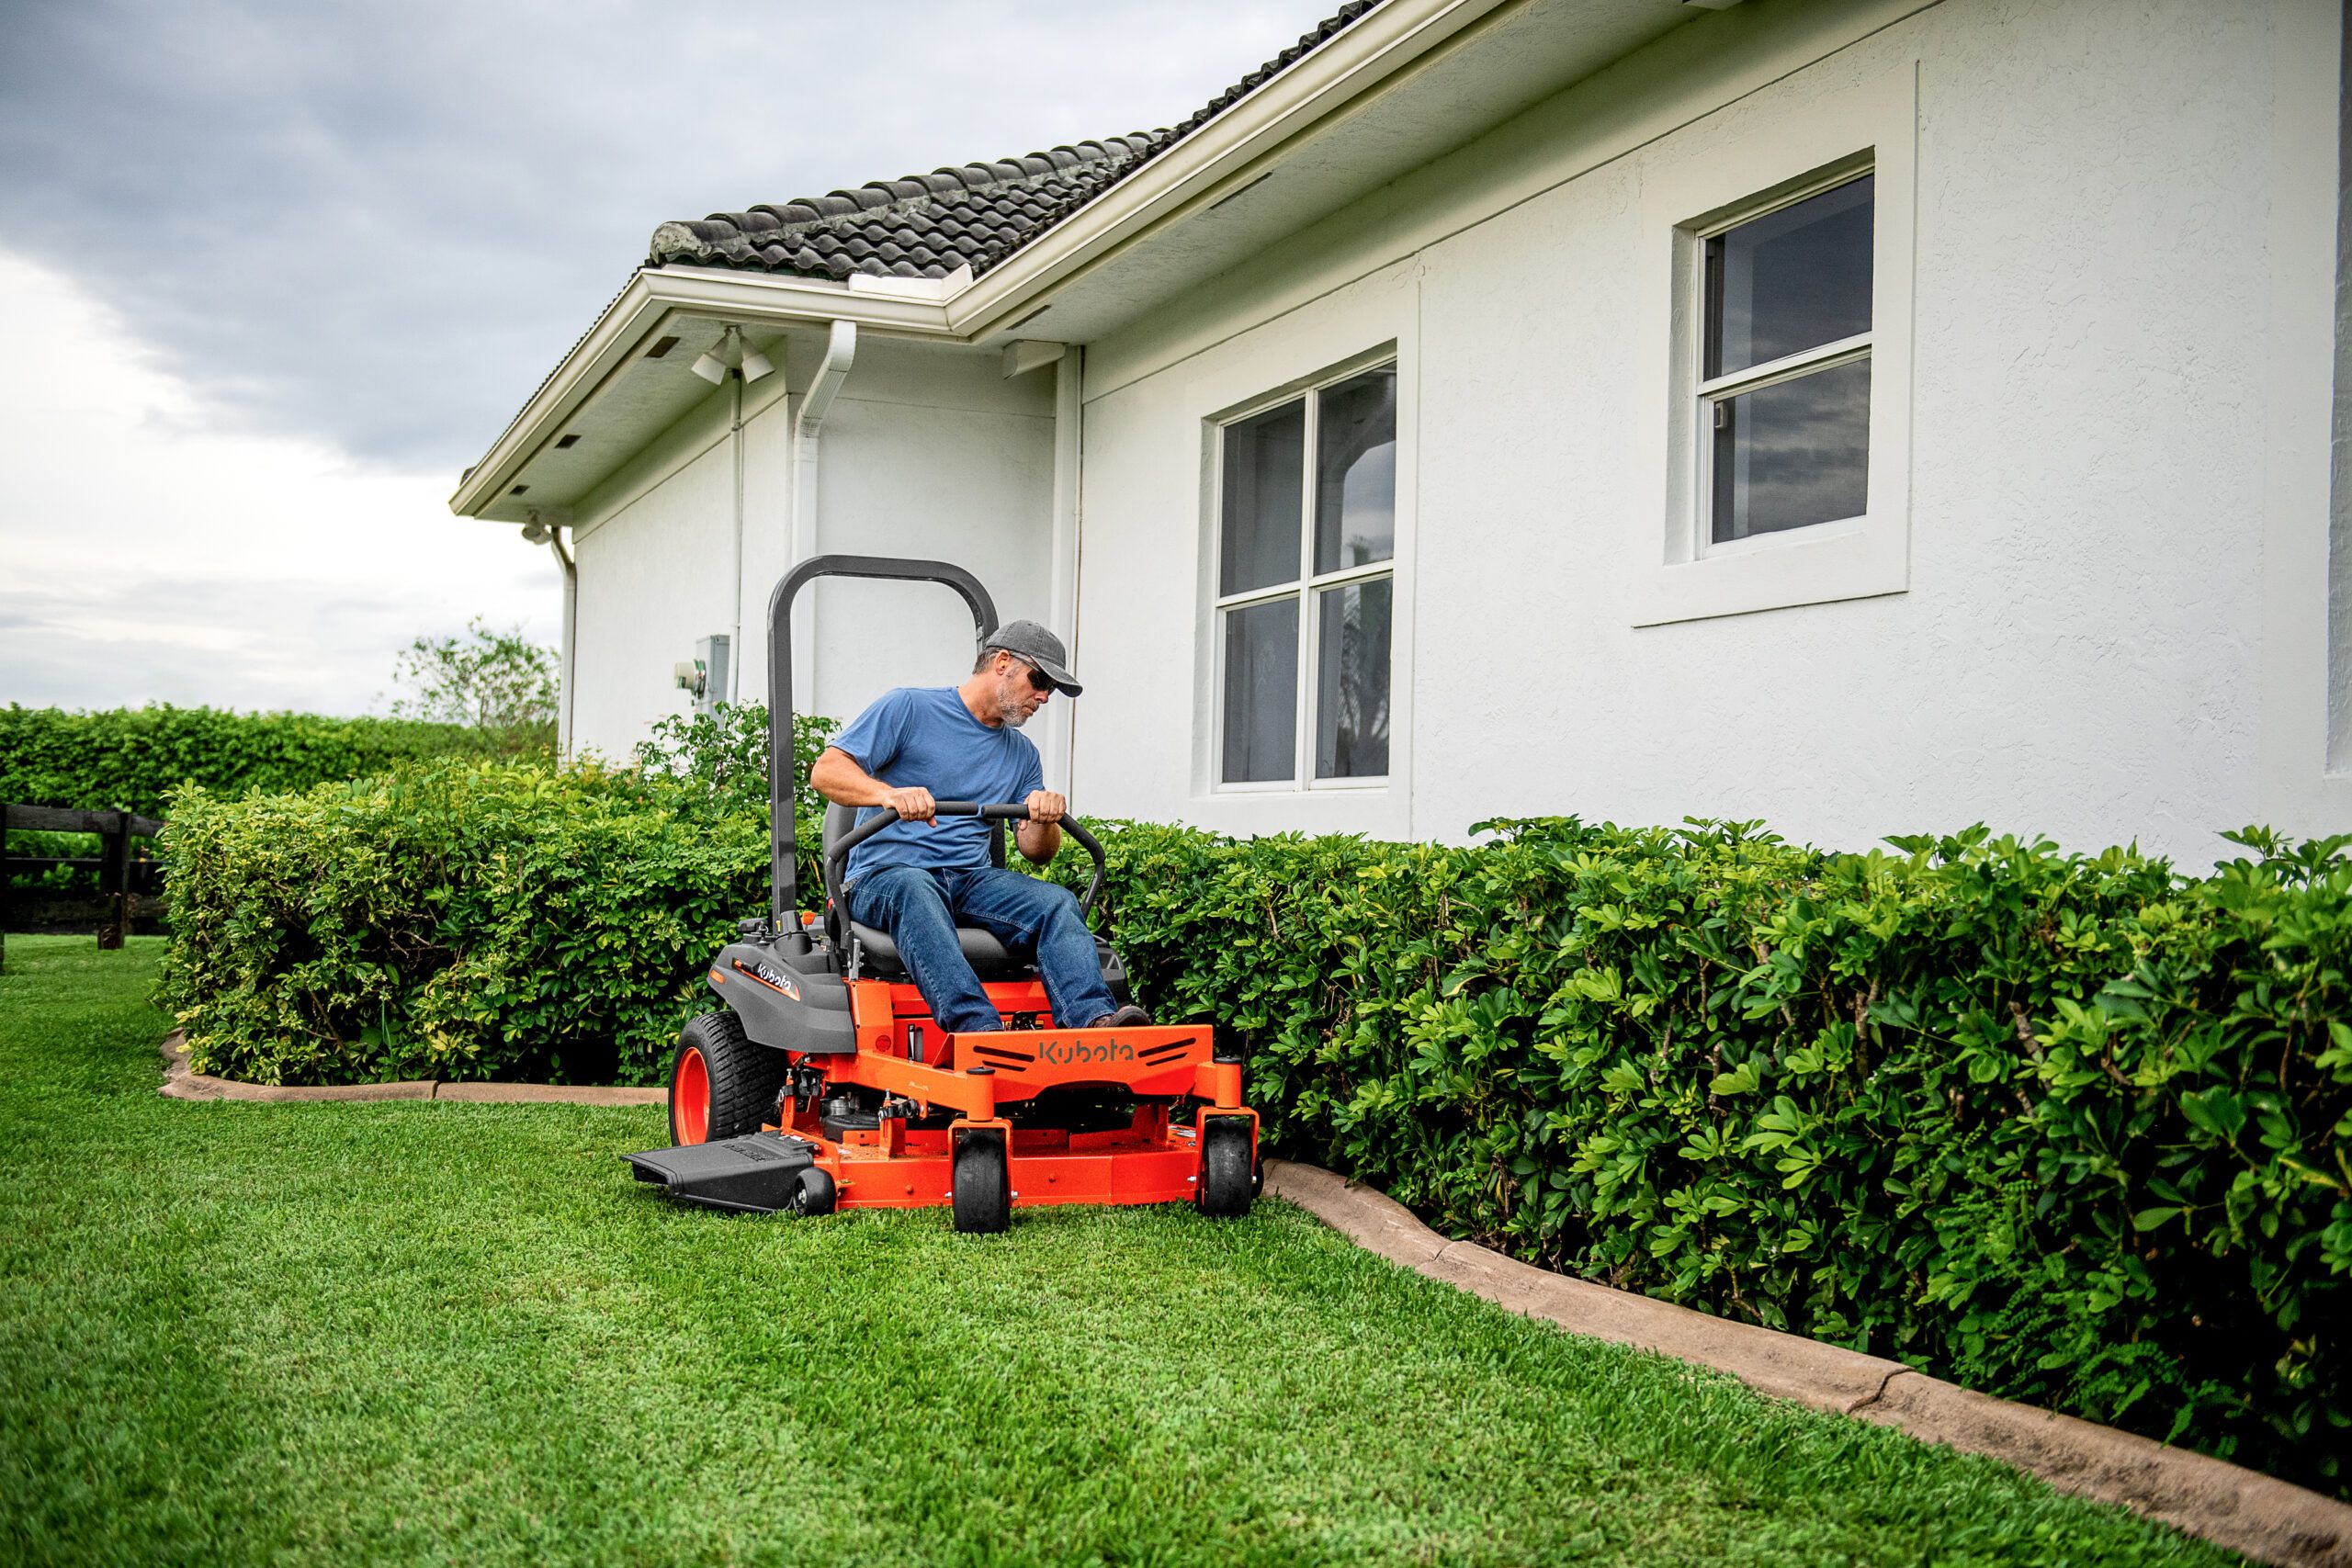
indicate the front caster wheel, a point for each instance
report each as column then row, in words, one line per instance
column 983, row 1183
column 812, row 1195
column 1229, row 1167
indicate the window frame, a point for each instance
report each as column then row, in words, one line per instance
column 1308, row 587
column 1741, row 163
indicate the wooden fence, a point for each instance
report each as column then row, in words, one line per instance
column 129, row 878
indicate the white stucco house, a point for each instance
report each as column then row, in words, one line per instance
column 1870, row 416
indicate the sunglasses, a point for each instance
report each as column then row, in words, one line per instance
column 1039, row 679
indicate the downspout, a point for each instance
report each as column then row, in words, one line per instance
column 735, row 628
column 571, row 620
column 1069, row 412
column 807, row 429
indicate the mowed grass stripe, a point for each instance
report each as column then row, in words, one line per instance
column 416, row 1332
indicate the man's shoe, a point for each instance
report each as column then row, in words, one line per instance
column 1127, row 1017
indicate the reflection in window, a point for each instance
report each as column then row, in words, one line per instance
column 1788, row 294
column 1355, row 472
column 1352, row 681
column 1306, row 538
column 1263, row 484
column 1791, row 280
column 1260, row 692
column 1794, row 452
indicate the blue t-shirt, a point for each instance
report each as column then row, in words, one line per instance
column 924, row 737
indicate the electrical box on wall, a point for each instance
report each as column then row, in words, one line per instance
column 705, row 674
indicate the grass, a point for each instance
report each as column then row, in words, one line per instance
column 420, row 1332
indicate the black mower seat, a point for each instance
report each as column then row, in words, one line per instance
column 987, row 955
column 981, row 949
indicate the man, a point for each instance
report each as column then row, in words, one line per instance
column 922, row 875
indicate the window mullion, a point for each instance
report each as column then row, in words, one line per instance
column 1788, row 366
column 1340, row 576
column 1303, row 749
column 1248, row 597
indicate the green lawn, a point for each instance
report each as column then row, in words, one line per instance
column 453, row 1332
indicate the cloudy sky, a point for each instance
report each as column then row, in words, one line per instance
column 272, row 274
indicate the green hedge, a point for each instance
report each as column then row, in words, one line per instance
column 454, row 920
column 461, row 919
column 2069, row 1129
column 134, row 758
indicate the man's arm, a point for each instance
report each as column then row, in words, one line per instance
column 839, row 779
column 1040, row 838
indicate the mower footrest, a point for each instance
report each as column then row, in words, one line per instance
column 754, row 1174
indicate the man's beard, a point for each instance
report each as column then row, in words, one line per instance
column 1009, row 709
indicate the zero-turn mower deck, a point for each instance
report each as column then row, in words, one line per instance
column 904, row 1153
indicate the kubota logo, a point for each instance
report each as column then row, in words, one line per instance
column 1065, row 1053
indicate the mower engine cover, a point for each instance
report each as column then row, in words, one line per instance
column 787, row 1000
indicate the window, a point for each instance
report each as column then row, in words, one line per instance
column 1306, row 545
column 1774, row 387
column 1784, row 394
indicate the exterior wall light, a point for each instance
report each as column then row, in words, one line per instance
column 730, row 352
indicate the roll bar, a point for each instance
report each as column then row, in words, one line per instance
column 784, row 832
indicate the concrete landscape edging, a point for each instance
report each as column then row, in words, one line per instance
column 180, row 1082
column 2268, row 1520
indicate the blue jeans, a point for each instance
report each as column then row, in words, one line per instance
column 921, row 909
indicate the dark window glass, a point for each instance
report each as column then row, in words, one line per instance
column 1794, row 452
column 1791, row 280
column 1352, row 681
column 1265, row 470
column 1262, row 692
column 1355, row 472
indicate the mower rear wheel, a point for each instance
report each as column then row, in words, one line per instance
column 721, row 1085
column 1228, row 1167
column 982, row 1184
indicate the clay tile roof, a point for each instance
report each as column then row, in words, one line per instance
column 974, row 215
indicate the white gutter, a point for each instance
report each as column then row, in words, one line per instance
column 653, row 295
column 807, row 433
column 1215, row 159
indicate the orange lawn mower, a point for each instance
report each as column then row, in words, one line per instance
column 824, row 1082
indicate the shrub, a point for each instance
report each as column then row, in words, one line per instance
column 2068, row 1129
column 474, row 920
column 724, row 755
column 132, row 759
column 453, row 919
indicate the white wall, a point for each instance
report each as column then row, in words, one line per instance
column 2101, row 303
column 927, row 451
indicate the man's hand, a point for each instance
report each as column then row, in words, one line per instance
column 914, row 805
column 1040, row 838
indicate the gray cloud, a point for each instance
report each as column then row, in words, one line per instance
column 312, row 644
column 382, row 224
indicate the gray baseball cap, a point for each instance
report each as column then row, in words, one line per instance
column 1027, row 639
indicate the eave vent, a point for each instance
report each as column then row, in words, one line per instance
column 661, row 347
